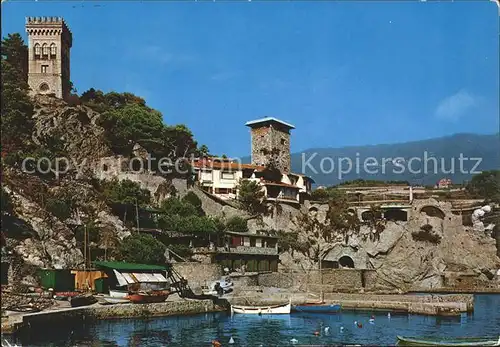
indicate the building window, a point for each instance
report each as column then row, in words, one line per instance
column 45, row 68
column 37, row 49
column 53, row 49
column 252, row 242
column 227, row 175
column 283, row 141
column 45, row 49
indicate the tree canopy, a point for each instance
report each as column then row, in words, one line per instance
column 16, row 106
column 142, row 248
column 251, row 197
column 485, row 185
column 318, row 236
column 127, row 120
column 237, row 224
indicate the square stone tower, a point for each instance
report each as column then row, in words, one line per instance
column 49, row 43
column 271, row 142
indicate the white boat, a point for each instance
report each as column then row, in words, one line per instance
column 116, row 293
column 225, row 284
column 109, row 300
column 273, row 309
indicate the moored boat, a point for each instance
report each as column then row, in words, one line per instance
column 461, row 341
column 117, row 293
column 82, row 300
column 147, row 298
column 317, row 308
column 272, row 309
column 109, row 300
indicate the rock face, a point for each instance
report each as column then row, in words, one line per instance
column 418, row 252
column 74, row 125
column 52, row 245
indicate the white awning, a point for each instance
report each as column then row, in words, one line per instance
column 125, row 278
column 129, row 278
column 160, row 278
column 122, row 281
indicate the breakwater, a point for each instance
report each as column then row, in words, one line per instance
column 431, row 305
column 24, row 323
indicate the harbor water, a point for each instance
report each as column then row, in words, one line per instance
column 277, row 330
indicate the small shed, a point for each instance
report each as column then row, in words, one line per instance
column 60, row 280
column 85, row 279
column 134, row 275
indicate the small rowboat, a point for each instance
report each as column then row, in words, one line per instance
column 82, row 300
column 276, row 309
column 146, row 298
column 116, row 293
column 109, row 300
column 461, row 341
column 317, row 308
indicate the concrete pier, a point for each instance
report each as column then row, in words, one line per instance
column 50, row 318
column 434, row 305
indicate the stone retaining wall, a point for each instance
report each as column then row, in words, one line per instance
column 198, row 274
column 333, row 280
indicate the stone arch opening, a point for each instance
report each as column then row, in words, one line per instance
column 44, row 87
column 396, row 214
column 346, row 261
column 433, row 211
column 369, row 215
column 313, row 209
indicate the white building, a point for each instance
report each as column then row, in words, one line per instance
column 222, row 176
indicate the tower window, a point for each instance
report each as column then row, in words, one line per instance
column 45, row 49
column 45, row 68
column 283, row 141
column 53, row 49
column 37, row 49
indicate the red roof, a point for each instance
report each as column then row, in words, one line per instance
column 226, row 165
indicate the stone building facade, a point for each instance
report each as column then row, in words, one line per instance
column 49, row 44
column 271, row 142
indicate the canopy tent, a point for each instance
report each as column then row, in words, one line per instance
column 131, row 273
column 125, row 278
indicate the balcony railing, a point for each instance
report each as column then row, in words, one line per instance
column 238, row 250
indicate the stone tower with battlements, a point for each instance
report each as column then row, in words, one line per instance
column 49, row 44
column 271, row 142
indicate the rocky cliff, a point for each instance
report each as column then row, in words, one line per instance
column 419, row 251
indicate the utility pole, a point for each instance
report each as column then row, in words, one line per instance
column 321, row 279
column 85, row 247
column 137, row 214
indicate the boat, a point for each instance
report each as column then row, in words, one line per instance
column 317, row 307
column 225, row 284
column 273, row 309
column 117, row 293
column 82, row 300
column 461, row 341
column 109, row 300
column 147, row 298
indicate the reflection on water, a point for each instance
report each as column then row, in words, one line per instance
column 254, row 330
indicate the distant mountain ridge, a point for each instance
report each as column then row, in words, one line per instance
column 457, row 157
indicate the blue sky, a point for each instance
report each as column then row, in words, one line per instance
column 344, row 73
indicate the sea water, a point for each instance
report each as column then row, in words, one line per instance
column 277, row 330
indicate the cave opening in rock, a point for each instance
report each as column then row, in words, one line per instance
column 346, row 261
column 396, row 214
column 432, row 211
